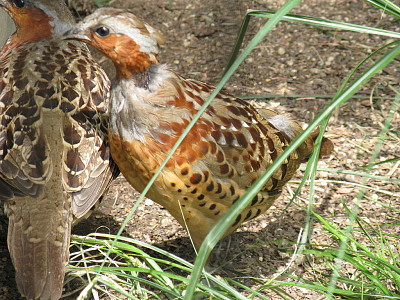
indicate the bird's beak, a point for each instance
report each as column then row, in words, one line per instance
column 75, row 34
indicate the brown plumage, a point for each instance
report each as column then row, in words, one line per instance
column 54, row 156
column 229, row 147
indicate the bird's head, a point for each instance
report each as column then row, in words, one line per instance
column 129, row 42
column 36, row 20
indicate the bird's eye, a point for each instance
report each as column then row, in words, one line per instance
column 103, row 31
column 19, row 3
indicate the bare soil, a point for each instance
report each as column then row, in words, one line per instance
column 294, row 59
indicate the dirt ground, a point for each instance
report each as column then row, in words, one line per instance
column 293, row 60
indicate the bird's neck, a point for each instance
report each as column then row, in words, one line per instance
column 128, row 60
column 25, row 33
column 133, row 68
column 35, row 25
column 140, row 103
column 142, row 80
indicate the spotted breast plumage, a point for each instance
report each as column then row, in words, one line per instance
column 230, row 146
column 54, row 157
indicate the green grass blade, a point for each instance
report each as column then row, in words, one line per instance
column 336, row 25
column 239, row 41
column 349, row 172
column 386, row 6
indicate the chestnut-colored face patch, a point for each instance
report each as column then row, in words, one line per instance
column 124, row 52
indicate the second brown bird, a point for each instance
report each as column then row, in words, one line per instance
column 230, row 146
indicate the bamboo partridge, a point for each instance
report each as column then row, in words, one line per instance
column 229, row 147
column 54, row 156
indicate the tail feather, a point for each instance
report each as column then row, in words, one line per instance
column 39, row 254
column 292, row 129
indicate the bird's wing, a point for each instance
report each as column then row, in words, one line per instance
column 88, row 166
column 24, row 155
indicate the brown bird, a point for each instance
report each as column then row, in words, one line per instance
column 54, row 157
column 229, row 147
